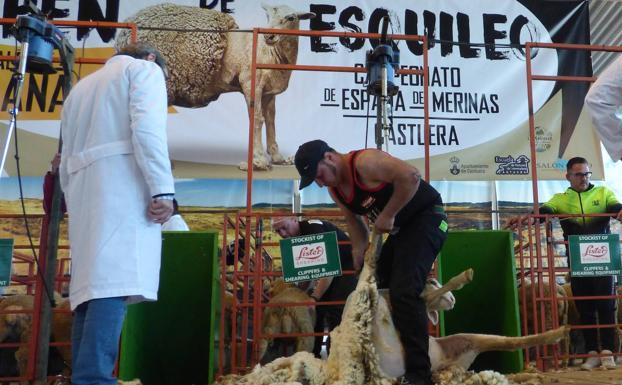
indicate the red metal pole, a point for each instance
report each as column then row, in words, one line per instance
column 257, row 309
column 306, row 67
column 552, row 287
column 133, row 32
column 251, row 124
column 532, row 134
column 534, row 179
column 246, row 289
column 523, row 292
column 588, row 79
column 223, row 289
column 40, row 296
column 234, row 303
column 532, row 288
column 426, row 109
column 297, row 32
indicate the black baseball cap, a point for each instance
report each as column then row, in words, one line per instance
column 307, row 158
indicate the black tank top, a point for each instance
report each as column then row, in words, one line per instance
column 363, row 200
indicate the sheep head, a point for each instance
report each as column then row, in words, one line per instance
column 283, row 17
column 444, row 302
column 278, row 286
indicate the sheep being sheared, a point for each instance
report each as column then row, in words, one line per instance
column 204, row 65
column 300, row 319
column 361, row 354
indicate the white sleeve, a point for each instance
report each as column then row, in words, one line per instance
column 604, row 100
column 63, row 175
column 148, row 109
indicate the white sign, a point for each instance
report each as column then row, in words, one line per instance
column 477, row 84
column 597, row 252
column 311, row 254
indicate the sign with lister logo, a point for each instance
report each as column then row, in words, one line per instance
column 310, row 257
column 594, row 255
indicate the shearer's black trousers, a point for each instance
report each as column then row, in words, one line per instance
column 405, row 262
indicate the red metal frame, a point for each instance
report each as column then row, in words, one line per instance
column 90, row 24
column 237, row 359
column 254, row 269
column 299, row 67
column 33, row 286
column 534, row 180
column 541, row 275
column 250, row 268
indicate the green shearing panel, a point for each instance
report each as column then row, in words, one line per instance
column 489, row 304
column 171, row 341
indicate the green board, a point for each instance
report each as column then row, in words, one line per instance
column 489, row 304
column 310, row 257
column 171, row 341
column 594, row 255
column 6, row 260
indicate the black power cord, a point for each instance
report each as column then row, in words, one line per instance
column 25, row 216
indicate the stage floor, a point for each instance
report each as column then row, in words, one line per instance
column 582, row 377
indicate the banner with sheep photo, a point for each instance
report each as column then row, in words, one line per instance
column 477, row 98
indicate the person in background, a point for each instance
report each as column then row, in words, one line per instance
column 116, row 176
column 48, row 186
column 394, row 197
column 325, row 289
column 582, row 197
column 176, row 222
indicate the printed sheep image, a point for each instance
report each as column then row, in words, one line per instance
column 366, row 347
column 203, row 65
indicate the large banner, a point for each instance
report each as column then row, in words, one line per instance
column 477, row 96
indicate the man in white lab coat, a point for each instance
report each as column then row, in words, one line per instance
column 604, row 101
column 116, row 176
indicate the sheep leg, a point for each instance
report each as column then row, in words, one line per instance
column 304, row 324
column 462, row 349
column 271, row 326
column 259, row 155
column 269, row 113
column 456, row 283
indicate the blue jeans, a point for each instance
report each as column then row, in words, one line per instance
column 95, row 340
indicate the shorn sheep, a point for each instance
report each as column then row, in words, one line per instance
column 562, row 310
column 360, row 354
column 288, row 319
column 203, row 65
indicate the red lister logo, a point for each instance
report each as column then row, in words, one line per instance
column 595, row 251
column 310, row 253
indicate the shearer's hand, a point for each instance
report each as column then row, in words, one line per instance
column 384, row 223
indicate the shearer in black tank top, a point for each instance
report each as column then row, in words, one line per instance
column 391, row 193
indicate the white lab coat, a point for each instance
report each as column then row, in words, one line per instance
column 114, row 159
column 604, row 100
